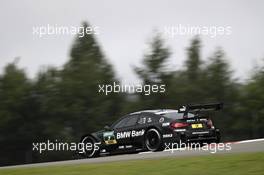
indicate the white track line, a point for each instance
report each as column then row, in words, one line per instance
column 149, row 152
column 248, row 141
column 236, row 142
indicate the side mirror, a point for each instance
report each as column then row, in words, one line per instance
column 107, row 127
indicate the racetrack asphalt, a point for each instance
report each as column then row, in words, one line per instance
column 236, row 147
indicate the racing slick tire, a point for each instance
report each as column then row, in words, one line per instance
column 93, row 150
column 153, row 140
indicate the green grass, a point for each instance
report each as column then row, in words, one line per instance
column 247, row 163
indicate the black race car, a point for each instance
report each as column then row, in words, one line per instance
column 150, row 130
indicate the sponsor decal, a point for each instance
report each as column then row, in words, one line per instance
column 179, row 130
column 128, row 134
column 165, row 124
column 149, row 120
column 129, row 146
column 121, row 147
column 144, row 120
column 167, row 135
column 202, row 132
column 193, row 120
column 161, row 119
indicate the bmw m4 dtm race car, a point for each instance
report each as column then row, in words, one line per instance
column 150, row 130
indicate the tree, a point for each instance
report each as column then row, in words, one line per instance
column 252, row 106
column 186, row 84
column 219, row 86
column 154, row 71
column 85, row 108
column 193, row 62
column 47, row 97
column 154, row 62
column 16, row 119
column 219, row 83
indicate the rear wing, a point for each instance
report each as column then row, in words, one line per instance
column 196, row 108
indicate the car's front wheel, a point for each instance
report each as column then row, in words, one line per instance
column 153, row 140
column 89, row 148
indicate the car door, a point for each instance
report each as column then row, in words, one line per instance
column 124, row 132
column 144, row 121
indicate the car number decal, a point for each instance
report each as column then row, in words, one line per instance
column 109, row 138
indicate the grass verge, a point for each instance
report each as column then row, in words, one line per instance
column 246, row 163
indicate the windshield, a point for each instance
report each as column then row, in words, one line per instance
column 176, row 115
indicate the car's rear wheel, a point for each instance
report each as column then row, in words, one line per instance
column 89, row 147
column 153, row 140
